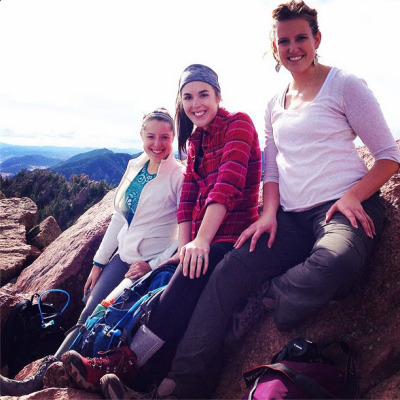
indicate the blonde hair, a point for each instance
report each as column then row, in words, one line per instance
column 159, row 114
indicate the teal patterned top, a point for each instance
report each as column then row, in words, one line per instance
column 134, row 190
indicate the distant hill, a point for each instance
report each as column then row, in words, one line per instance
column 88, row 154
column 104, row 163
column 30, row 162
column 10, row 150
column 98, row 165
column 63, row 153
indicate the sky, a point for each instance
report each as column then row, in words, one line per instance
column 82, row 73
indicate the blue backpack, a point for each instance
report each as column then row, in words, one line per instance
column 109, row 327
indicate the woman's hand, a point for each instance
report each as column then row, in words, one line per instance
column 194, row 257
column 92, row 278
column 350, row 203
column 351, row 207
column 138, row 269
column 172, row 260
column 266, row 223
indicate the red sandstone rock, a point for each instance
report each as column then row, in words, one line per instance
column 48, row 232
column 29, row 370
column 22, row 210
column 58, row 394
column 17, row 216
column 66, row 262
column 389, row 389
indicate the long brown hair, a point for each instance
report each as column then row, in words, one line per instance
column 184, row 126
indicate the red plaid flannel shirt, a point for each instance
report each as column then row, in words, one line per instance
column 230, row 174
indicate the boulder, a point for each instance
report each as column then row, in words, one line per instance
column 48, row 230
column 387, row 389
column 58, row 394
column 17, row 216
column 368, row 320
column 66, row 262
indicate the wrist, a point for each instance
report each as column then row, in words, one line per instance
column 204, row 238
column 352, row 194
column 268, row 213
column 98, row 265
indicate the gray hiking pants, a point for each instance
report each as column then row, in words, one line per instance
column 111, row 276
column 310, row 263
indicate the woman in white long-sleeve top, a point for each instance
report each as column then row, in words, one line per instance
column 143, row 226
column 322, row 210
column 143, row 229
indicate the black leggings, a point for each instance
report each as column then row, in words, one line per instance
column 169, row 318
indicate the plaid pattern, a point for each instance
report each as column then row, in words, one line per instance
column 229, row 173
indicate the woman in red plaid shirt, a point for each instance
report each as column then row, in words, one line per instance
column 221, row 184
column 219, row 200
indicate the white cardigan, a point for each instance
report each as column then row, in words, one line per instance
column 152, row 234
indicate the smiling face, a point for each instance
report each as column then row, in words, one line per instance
column 157, row 139
column 200, row 103
column 296, row 45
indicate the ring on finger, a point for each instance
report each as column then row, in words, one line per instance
column 201, row 257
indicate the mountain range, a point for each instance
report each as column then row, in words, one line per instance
column 13, row 165
column 98, row 164
column 63, row 153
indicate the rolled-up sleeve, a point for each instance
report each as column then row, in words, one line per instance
column 231, row 178
column 189, row 194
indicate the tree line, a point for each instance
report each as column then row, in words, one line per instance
column 65, row 200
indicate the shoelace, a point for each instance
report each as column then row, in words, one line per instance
column 99, row 362
column 253, row 313
column 47, row 361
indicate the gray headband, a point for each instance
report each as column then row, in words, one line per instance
column 199, row 72
column 159, row 114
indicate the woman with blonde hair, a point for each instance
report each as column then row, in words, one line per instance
column 143, row 230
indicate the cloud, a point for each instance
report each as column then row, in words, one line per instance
column 84, row 72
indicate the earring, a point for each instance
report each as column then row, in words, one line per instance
column 315, row 61
column 278, row 66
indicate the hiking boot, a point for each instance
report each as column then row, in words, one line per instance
column 12, row 387
column 87, row 372
column 165, row 389
column 56, row 376
column 113, row 388
column 250, row 314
